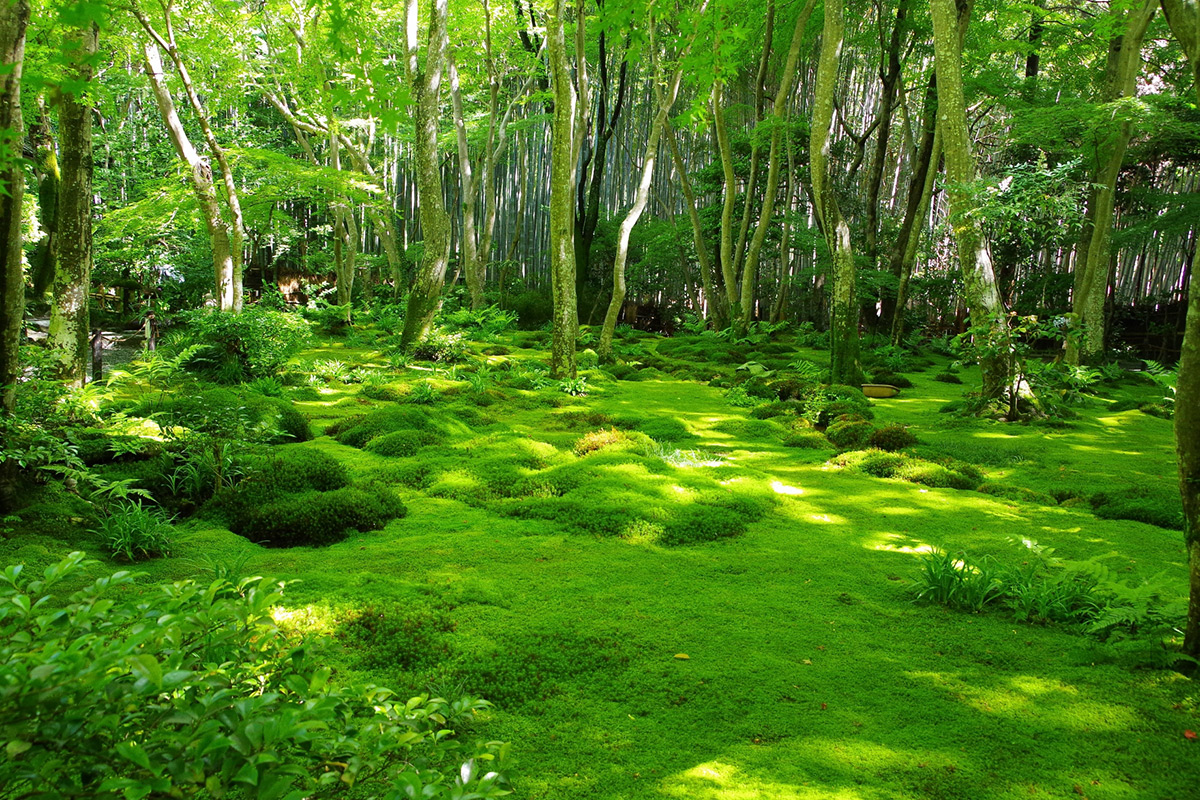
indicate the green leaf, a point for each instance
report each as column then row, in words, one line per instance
column 16, row 747
column 147, row 668
column 248, row 774
column 134, row 753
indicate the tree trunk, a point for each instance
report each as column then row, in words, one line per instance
column 689, row 196
column 70, row 332
column 1094, row 269
column 979, row 280
column 1184, row 19
column 14, row 17
column 774, row 162
column 426, row 295
column 200, row 174
column 563, row 158
column 844, row 365
column 889, row 77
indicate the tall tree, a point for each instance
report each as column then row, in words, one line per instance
column 68, row 335
column 1093, row 270
column 14, row 18
column 567, row 131
column 1184, row 19
column 844, row 340
column 979, row 291
column 425, row 83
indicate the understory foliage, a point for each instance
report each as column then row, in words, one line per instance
column 252, row 344
column 1046, row 589
column 186, row 690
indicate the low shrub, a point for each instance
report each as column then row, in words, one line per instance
column 810, row 439
column 891, row 379
column 400, row 444
column 892, row 438
column 849, row 432
column 131, row 532
column 442, row 347
column 947, row 377
column 291, row 469
column 357, row 431
column 315, row 518
column 1162, row 509
column 109, row 691
column 235, row 347
column 224, row 413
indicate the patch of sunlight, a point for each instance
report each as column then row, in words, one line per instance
column 717, row 780
column 328, row 390
column 782, row 488
column 920, row 549
column 820, row 517
column 306, row 620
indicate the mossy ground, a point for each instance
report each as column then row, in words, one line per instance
column 809, row 671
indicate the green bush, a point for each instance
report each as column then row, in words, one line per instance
column 442, row 347
column 291, row 469
column 130, row 532
column 849, row 432
column 1162, row 509
column 947, row 377
column 125, row 691
column 255, row 343
column 315, row 518
column 892, row 438
column 891, row 379
column 400, row 444
column 806, row 438
column 226, row 414
column 357, row 431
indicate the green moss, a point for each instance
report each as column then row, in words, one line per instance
column 849, row 432
column 387, row 420
column 400, row 444
column 316, row 518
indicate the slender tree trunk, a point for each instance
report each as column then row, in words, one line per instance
column 844, row 365
column 200, row 174
column 725, row 148
column 1184, row 19
column 889, row 77
column 14, row 17
column 70, row 332
column 689, row 196
column 774, row 162
column 426, row 295
column 566, row 138
column 1094, row 270
column 44, row 260
column 979, row 280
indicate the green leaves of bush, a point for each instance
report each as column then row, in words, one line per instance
column 191, row 691
column 252, row 344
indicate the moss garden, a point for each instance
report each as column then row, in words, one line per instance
column 701, row 571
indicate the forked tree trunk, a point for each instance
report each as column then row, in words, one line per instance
column 69, row 335
column 14, row 17
column 201, row 177
column 844, row 344
column 1184, row 19
column 426, row 295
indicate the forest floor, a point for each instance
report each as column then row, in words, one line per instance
column 785, row 658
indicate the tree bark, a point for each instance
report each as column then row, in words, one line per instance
column 566, row 140
column 979, row 280
column 889, row 77
column 14, row 18
column 1094, row 268
column 689, row 195
column 70, row 331
column 200, row 174
column 1184, row 19
column 426, row 295
column 774, row 162
column 844, row 341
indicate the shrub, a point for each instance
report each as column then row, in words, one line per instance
column 357, row 431
column 292, row 469
column 226, row 414
column 1138, row 505
column 793, row 388
column 892, row 379
column 130, row 532
column 947, row 377
column 316, row 518
column 252, row 344
column 422, row 393
column 108, row 693
column 892, row 438
column 400, row 444
column 808, row 438
column 849, row 432
column 440, row 346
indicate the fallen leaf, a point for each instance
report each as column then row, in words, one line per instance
column 1189, row 734
column 823, row 706
column 807, row 662
column 682, row 656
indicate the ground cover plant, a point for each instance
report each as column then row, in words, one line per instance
column 665, row 594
